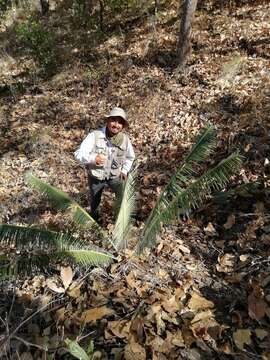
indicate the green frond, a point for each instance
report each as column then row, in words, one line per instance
column 89, row 257
column 127, row 209
column 37, row 247
column 25, row 263
column 190, row 198
column 59, row 198
column 30, row 237
column 243, row 190
column 203, row 147
column 5, row 267
column 62, row 201
column 83, row 219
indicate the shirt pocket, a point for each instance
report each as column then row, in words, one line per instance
column 100, row 147
column 119, row 157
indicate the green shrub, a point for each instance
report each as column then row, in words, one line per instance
column 81, row 11
column 39, row 42
column 5, row 5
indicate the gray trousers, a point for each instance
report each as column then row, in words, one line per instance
column 96, row 187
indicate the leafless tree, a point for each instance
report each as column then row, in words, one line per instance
column 44, row 6
column 184, row 42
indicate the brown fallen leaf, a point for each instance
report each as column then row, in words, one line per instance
column 202, row 316
column 226, row 263
column 204, row 326
column 188, row 336
column 244, row 257
column 54, row 287
column 157, row 344
column 230, row 222
column 74, row 290
column 177, row 339
column 170, row 318
column 119, row 328
column 241, row 337
column 261, row 333
column 130, row 279
column 92, row 315
column 66, row 276
column 184, row 249
column 134, row 351
column 197, row 302
column 60, row 314
column 226, row 348
column 210, row 230
column 137, row 329
column 257, row 307
column 171, row 305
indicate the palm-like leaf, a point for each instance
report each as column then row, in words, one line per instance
column 62, row 201
column 59, row 198
column 202, row 148
column 127, row 208
column 57, row 245
column 25, row 262
column 190, row 198
column 88, row 257
column 244, row 190
column 30, row 237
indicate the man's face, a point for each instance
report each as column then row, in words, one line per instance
column 115, row 125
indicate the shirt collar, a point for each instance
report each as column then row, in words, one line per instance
column 103, row 132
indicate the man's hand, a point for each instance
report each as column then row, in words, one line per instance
column 123, row 176
column 100, row 159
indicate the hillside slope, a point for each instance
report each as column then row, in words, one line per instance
column 207, row 297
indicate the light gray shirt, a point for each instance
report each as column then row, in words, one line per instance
column 86, row 155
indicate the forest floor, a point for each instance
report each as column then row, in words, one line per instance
column 204, row 291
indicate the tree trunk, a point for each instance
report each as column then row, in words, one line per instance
column 101, row 13
column 184, row 43
column 44, row 6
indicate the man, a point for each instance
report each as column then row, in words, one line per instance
column 108, row 155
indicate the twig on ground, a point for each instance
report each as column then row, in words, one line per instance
column 26, row 320
column 29, row 344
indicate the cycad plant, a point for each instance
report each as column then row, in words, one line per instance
column 183, row 193
column 39, row 247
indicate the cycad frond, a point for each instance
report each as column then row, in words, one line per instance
column 58, row 245
column 30, row 237
column 127, row 208
column 202, row 148
column 62, row 201
column 245, row 190
column 190, row 198
column 87, row 257
column 25, row 263
column 59, row 198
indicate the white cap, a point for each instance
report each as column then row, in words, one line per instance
column 117, row 111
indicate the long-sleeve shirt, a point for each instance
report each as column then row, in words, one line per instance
column 86, row 153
